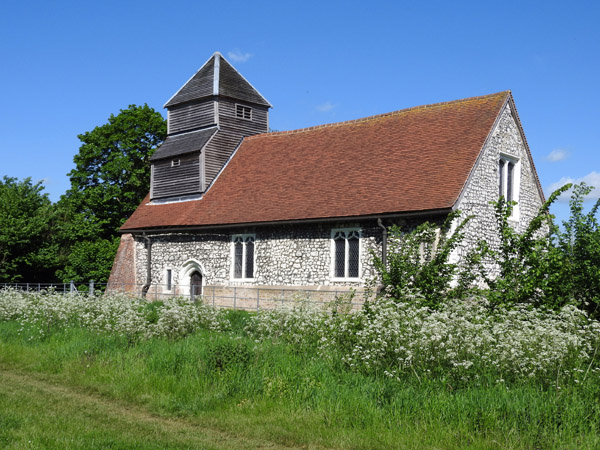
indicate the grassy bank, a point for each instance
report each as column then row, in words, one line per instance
column 239, row 393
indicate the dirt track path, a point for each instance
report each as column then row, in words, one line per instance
column 112, row 416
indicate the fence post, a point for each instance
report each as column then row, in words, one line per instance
column 91, row 288
column 234, row 296
column 71, row 287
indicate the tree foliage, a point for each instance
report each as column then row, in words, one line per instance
column 26, row 218
column 112, row 169
column 110, row 179
column 89, row 260
column 76, row 238
column 574, row 263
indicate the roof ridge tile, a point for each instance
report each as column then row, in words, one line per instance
column 376, row 116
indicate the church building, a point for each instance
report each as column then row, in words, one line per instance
column 234, row 205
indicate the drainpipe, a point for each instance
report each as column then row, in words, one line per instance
column 384, row 236
column 146, row 286
column 383, row 243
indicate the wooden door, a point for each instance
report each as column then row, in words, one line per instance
column 195, row 284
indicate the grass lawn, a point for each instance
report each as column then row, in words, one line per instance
column 78, row 389
column 37, row 413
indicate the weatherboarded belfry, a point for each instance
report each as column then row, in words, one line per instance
column 233, row 206
column 207, row 119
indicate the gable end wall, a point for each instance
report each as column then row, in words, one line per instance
column 482, row 187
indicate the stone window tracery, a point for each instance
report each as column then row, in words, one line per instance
column 509, row 170
column 243, row 256
column 346, row 253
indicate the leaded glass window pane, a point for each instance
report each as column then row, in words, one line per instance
column 501, row 172
column 340, row 256
column 509, row 181
column 250, row 258
column 238, row 254
column 353, row 255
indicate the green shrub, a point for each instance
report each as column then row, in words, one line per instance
column 522, row 258
column 546, row 265
column 418, row 261
column 228, row 354
column 573, row 264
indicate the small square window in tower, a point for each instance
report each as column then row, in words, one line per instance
column 243, row 112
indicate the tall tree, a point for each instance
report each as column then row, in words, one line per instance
column 26, row 216
column 110, row 179
column 112, row 174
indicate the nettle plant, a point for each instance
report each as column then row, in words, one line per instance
column 418, row 261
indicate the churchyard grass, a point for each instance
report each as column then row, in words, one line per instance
column 394, row 375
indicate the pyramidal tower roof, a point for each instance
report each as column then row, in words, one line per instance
column 217, row 77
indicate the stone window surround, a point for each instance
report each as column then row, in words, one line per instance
column 232, row 257
column 168, row 285
column 332, row 268
column 516, row 182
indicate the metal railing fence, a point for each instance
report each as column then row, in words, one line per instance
column 232, row 297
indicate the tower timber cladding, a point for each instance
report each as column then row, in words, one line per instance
column 207, row 118
column 233, row 205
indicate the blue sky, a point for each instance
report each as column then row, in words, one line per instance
column 66, row 66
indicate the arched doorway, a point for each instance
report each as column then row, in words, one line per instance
column 195, row 284
column 192, row 276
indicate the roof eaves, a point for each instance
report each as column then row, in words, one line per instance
column 392, row 215
column 215, row 127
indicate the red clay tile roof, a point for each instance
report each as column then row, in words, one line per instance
column 412, row 160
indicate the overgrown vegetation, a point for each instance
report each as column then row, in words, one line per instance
column 419, row 261
column 392, row 375
column 508, row 356
column 545, row 265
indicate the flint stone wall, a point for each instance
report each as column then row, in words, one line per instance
column 288, row 255
column 483, row 187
